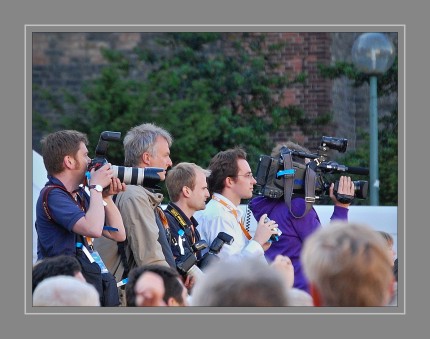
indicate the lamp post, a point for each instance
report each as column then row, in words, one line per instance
column 373, row 54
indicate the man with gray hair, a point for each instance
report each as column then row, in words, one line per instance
column 63, row 290
column 240, row 283
column 146, row 145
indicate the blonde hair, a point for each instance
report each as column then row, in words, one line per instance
column 349, row 265
column 387, row 237
column 183, row 174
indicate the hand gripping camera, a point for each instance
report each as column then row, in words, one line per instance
column 147, row 177
column 187, row 263
column 282, row 176
column 211, row 256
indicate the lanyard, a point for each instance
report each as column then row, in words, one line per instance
column 172, row 210
column 88, row 240
column 165, row 223
column 234, row 211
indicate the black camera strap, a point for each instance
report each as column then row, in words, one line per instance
column 310, row 179
column 185, row 223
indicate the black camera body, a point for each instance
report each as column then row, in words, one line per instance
column 211, row 256
column 147, row 177
column 185, row 262
column 272, row 172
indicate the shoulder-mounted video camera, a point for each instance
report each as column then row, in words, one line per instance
column 283, row 176
column 147, row 177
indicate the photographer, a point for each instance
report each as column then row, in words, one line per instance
column 145, row 145
column 188, row 192
column 65, row 214
column 230, row 181
column 296, row 230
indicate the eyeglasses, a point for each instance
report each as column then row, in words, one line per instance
column 248, row 175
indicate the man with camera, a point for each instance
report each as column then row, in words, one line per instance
column 230, row 181
column 188, row 192
column 146, row 145
column 296, row 224
column 67, row 218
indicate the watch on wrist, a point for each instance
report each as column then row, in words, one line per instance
column 98, row 188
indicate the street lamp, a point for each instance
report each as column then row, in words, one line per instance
column 373, row 54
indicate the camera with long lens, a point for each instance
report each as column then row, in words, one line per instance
column 273, row 174
column 147, row 177
column 216, row 246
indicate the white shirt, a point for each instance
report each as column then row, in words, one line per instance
column 217, row 218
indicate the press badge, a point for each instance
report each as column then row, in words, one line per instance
column 99, row 261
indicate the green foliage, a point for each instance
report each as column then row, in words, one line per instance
column 388, row 131
column 209, row 99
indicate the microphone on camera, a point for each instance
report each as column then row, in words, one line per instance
column 342, row 168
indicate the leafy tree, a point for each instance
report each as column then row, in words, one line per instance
column 207, row 98
column 388, row 126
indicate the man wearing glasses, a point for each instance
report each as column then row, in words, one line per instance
column 229, row 182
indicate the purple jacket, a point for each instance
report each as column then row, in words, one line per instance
column 294, row 230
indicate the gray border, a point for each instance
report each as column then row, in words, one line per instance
column 81, row 12
column 199, row 310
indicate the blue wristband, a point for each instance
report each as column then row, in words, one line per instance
column 110, row 228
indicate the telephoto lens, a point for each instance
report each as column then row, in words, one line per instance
column 147, row 177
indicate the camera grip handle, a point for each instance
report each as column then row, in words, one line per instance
column 344, row 198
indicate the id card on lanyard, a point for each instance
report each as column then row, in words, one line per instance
column 93, row 256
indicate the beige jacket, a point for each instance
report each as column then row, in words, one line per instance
column 137, row 207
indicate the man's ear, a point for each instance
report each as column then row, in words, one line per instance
column 186, row 191
column 172, row 302
column 316, row 297
column 228, row 182
column 146, row 158
column 391, row 291
column 69, row 162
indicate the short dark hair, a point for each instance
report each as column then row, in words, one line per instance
column 53, row 266
column 223, row 165
column 173, row 288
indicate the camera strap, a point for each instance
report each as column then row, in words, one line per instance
column 48, row 189
column 165, row 223
column 310, row 178
column 79, row 200
column 185, row 223
column 234, row 212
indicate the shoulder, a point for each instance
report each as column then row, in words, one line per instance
column 138, row 194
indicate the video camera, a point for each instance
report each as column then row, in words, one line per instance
column 281, row 176
column 211, row 256
column 147, row 177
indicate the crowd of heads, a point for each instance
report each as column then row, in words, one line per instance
column 347, row 264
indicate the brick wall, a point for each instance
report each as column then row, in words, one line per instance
column 65, row 60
